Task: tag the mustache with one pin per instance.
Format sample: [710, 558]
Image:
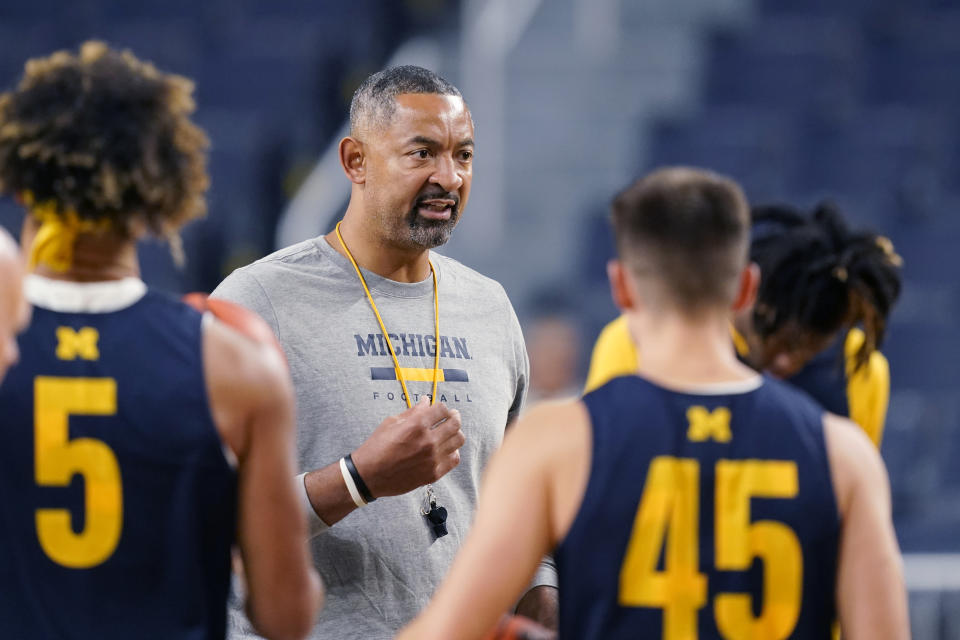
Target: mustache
[438, 195]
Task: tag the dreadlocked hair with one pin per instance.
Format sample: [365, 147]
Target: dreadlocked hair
[821, 276]
[105, 137]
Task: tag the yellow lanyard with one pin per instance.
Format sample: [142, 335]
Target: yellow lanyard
[386, 336]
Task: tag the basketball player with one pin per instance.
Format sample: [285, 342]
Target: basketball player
[14, 310]
[698, 499]
[141, 438]
[825, 294]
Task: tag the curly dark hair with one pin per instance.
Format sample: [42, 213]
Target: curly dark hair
[822, 276]
[106, 136]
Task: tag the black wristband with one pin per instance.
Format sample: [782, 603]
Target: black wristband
[357, 480]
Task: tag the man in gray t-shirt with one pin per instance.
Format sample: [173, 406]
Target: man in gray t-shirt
[409, 159]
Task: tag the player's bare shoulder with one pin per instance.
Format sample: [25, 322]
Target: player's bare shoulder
[244, 366]
[855, 464]
[554, 426]
[557, 436]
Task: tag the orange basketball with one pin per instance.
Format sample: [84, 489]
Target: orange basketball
[520, 628]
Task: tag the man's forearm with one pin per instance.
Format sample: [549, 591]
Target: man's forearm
[328, 494]
[404, 452]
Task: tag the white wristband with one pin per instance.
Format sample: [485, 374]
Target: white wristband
[315, 524]
[351, 486]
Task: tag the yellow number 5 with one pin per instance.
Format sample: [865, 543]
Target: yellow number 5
[738, 541]
[58, 458]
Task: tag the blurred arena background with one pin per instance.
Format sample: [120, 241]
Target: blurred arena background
[856, 100]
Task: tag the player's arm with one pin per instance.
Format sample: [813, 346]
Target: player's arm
[541, 601]
[871, 598]
[252, 402]
[531, 491]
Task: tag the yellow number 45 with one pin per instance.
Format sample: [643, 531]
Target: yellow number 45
[669, 513]
[57, 458]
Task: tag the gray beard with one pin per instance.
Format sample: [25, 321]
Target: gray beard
[428, 234]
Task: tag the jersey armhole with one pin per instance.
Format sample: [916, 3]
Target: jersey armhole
[229, 455]
[591, 489]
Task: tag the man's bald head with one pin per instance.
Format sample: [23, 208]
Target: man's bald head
[14, 310]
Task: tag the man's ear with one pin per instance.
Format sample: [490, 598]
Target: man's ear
[620, 287]
[747, 289]
[353, 160]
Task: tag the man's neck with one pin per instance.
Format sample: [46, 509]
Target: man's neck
[97, 259]
[680, 351]
[380, 257]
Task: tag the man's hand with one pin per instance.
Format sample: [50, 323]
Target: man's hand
[520, 628]
[541, 604]
[409, 450]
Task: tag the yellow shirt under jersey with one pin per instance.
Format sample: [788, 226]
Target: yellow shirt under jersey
[868, 388]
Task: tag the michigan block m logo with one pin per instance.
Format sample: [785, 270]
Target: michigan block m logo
[706, 425]
[73, 344]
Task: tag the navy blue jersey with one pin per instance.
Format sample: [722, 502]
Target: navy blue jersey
[117, 504]
[704, 516]
[825, 378]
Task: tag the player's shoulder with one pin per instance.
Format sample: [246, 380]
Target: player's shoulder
[245, 370]
[553, 423]
[548, 410]
[551, 431]
[847, 436]
[242, 351]
[855, 462]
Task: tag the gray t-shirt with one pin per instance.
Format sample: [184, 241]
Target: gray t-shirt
[381, 563]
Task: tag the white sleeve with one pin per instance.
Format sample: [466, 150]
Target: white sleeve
[315, 524]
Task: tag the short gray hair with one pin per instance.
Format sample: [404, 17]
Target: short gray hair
[374, 101]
